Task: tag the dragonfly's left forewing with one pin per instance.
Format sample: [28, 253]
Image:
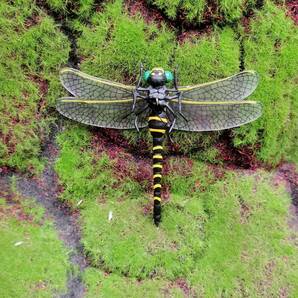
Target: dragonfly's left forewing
[80, 84]
[236, 87]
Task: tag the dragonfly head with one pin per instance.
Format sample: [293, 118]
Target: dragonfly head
[157, 77]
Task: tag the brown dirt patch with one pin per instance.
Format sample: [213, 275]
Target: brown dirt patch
[149, 14]
[237, 158]
[293, 10]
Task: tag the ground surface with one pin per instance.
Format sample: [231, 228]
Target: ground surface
[230, 204]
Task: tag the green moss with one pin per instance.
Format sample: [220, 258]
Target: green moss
[87, 177]
[221, 236]
[223, 11]
[30, 62]
[33, 260]
[271, 49]
[246, 237]
[115, 44]
[103, 285]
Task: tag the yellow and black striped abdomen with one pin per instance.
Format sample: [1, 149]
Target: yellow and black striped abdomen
[158, 124]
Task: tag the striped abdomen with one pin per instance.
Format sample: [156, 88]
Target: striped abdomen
[157, 127]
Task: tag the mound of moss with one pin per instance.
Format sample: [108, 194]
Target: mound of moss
[198, 11]
[225, 236]
[32, 51]
[270, 48]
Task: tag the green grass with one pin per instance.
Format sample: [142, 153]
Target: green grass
[28, 81]
[34, 262]
[225, 236]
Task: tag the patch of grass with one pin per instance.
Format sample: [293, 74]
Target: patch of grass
[34, 263]
[271, 49]
[87, 175]
[28, 80]
[209, 58]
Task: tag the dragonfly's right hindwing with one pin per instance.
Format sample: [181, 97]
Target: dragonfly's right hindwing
[102, 113]
[211, 116]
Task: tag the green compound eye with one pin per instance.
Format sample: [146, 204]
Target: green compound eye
[169, 76]
[146, 75]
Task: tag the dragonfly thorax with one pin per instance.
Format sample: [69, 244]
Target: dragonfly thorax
[157, 93]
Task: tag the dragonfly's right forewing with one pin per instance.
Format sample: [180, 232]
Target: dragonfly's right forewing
[83, 85]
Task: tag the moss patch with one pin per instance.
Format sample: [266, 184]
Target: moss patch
[221, 236]
[28, 80]
[34, 263]
[271, 49]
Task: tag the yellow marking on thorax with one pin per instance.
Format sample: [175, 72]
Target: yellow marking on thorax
[156, 176]
[159, 156]
[157, 198]
[156, 186]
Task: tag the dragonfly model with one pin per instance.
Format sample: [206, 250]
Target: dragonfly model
[151, 103]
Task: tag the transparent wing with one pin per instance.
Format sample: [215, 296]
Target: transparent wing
[80, 84]
[209, 116]
[102, 113]
[236, 87]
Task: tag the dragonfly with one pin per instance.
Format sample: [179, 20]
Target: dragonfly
[157, 102]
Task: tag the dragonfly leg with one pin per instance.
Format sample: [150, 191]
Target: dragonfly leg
[176, 78]
[172, 126]
[136, 124]
[135, 95]
[140, 78]
[136, 118]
